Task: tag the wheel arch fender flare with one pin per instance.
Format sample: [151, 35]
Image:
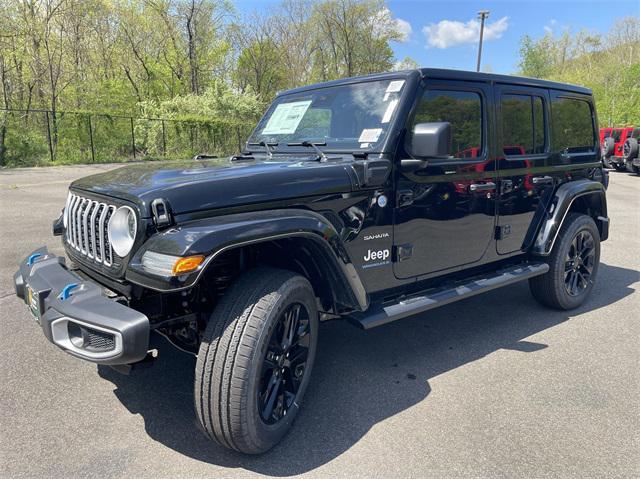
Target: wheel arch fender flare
[584, 196]
[214, 236]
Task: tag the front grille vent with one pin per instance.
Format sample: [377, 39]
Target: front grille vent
[87, 223]
[98, 341]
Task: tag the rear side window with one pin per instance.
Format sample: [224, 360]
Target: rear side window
[523, 131]
[463, 110]
[572, 126]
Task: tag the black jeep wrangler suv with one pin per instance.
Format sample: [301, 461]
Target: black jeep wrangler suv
[366, 199]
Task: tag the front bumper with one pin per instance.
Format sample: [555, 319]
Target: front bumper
[75, 314]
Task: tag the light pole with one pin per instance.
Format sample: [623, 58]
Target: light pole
[482, 14]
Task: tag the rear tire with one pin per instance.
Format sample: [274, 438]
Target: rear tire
[242, 371]
[630, 149]
[573, 265]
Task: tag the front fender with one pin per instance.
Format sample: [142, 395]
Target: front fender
[213, 236]
[564, 198]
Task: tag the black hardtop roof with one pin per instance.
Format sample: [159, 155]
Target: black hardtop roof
[446, 74]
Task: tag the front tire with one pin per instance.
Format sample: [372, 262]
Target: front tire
[255, 360]
[573, 265]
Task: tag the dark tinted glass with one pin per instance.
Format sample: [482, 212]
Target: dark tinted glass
[573, 130]
[522, 125]
[460, 108]
[538, 124]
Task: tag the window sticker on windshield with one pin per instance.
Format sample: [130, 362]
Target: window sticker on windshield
[286, 118]
[369, 135]
[395, 86]
[389, 111]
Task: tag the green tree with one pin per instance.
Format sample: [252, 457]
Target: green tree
[608, 64]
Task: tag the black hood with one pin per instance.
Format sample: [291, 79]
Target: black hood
[202, 185]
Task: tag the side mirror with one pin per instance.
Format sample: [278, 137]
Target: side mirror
[431, 140]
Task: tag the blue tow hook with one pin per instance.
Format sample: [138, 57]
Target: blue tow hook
[66, 291]
[31, 259]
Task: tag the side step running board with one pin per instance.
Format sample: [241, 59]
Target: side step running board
[388, 312]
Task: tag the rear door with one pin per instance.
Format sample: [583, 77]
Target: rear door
[444, 216]
[523, 161]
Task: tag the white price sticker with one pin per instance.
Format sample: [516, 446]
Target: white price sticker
[395, 86]
[286, 117]
[369, 135]
[389, 111]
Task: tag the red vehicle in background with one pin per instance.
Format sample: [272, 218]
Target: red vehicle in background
[612, 146]
[631, 152]
[604, 134]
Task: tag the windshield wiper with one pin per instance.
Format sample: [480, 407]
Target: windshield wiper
[314, 145]
[242, 157]
[266, 144]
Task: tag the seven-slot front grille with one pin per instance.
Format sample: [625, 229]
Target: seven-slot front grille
[87, 223]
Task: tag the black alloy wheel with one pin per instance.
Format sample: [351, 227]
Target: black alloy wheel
[579, 264]
[256, 358]
[573, 264]
[284, 364]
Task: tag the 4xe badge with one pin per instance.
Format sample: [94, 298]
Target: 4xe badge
[380, 257]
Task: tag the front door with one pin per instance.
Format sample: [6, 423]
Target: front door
[444, 216]
[524, 169]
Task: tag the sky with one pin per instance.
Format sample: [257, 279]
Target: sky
[441, 34]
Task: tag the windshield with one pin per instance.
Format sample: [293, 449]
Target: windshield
[344, 117]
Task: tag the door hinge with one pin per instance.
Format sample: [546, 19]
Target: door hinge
[403, 252]
[503, 231]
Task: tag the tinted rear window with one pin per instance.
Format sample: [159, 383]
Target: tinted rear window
[573, 129]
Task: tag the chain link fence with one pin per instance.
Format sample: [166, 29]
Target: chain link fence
[40, 137]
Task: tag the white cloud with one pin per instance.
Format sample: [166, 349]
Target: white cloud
[449, 33]
[385, 24]
[403, 28]
[551, 25]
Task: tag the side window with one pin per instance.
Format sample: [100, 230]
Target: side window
[463, 110]
[572, 126]
[523, 131]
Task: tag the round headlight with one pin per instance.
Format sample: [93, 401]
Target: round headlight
[122, 230]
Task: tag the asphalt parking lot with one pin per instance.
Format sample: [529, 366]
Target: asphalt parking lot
[493, 386]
